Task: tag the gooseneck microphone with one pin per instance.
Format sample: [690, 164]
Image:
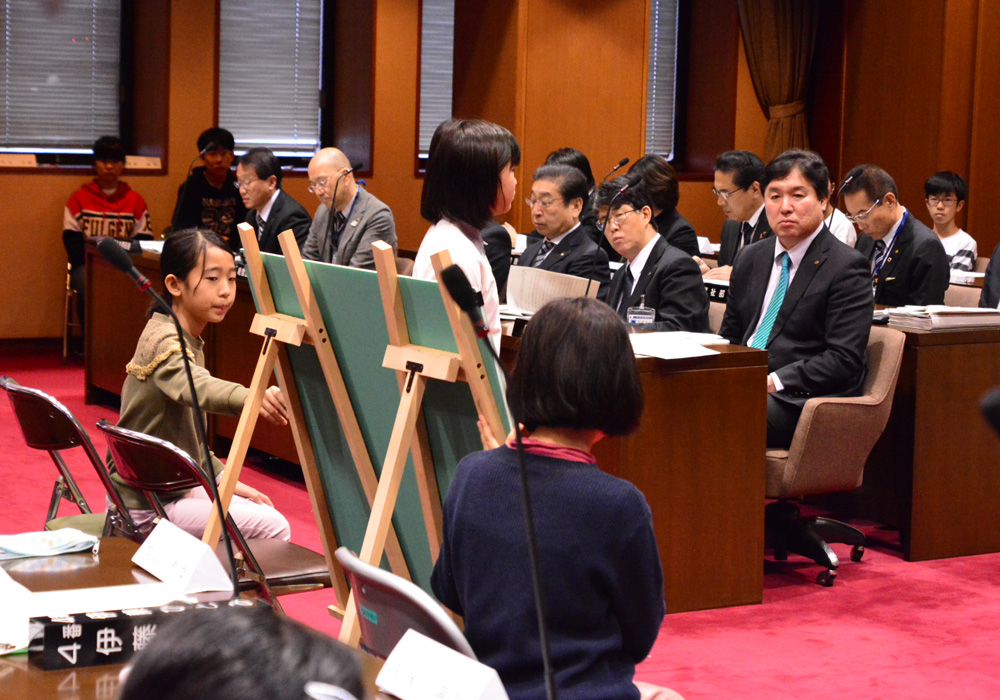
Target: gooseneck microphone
[461, 291]
[116, 255]
[622, 163]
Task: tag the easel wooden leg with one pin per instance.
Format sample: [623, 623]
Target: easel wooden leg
[241, 439]
[403, 433]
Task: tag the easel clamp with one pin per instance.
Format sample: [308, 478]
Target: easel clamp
[287, 329]
[437, 364]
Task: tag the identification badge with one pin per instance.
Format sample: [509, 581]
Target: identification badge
[641, 314]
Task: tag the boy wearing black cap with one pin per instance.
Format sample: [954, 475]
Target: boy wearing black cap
[208, 199]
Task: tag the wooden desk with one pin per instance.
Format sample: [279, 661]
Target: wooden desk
[707, 498]
[112, 567]
[116, 313]
[935, 472]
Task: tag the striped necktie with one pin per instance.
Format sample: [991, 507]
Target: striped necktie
[877, 262]
[260, 226]
[542, 252]
[763, 333]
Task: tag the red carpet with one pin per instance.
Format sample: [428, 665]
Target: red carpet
[887, 629]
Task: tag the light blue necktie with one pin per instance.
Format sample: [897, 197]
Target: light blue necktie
[763, 333]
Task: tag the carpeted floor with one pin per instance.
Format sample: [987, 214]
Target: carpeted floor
[887, 629]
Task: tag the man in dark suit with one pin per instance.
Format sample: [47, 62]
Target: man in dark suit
[803, 296]
[655, 275]
[346, 237]
[908, 264]
[557, 196]
[990, 296]
[739, 177]
[269, 210]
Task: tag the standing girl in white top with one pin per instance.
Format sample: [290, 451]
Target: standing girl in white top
[470, 179]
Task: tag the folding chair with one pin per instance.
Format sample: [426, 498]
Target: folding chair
[156, 466]
[389, 605]
[48, 425]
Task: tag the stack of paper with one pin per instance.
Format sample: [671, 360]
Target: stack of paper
[672, 345]
[965, 277]
[926, 318]
[531, 288]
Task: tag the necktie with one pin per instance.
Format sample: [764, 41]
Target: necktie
[747, 230]
[542, 252]
[260, 226]
[763, 333]
[339, 221]
[626, 292]
[877, 262]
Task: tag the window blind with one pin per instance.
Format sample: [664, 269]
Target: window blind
[437, 60]
[269, 73]
[59, 90]
[661, 89]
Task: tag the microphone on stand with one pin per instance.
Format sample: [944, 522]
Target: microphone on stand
[116, 255]
[461, 291]
[622, 163]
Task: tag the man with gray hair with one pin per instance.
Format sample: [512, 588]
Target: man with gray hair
[345, 236]
[557, 197]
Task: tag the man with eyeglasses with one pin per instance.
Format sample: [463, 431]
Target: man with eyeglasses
[358, 220]
[739, 193]
[908, 262]
[269, 210]
[656, 276]
[557, 196]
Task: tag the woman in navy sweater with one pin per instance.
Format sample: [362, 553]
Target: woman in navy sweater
[575, 382]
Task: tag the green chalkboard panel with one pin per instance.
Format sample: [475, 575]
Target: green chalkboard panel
[349, 301]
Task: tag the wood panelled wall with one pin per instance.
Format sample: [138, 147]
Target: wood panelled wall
[914, 87]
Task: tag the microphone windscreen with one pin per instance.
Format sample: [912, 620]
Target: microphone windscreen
[111, 251]
[623, 161]
[990, 406]
[632, 179]
[458, 286]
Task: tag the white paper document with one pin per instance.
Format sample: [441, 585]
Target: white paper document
[530, 288]
[172, 555]
[672, 345]
[421, 669]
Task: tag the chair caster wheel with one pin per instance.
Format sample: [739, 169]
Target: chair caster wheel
[857, 551]
[825, 578]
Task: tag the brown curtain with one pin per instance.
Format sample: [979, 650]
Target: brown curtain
[779, 36]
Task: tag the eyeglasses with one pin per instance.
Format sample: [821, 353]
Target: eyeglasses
[864, 215]
[724, 195]
[245, 185]
[618, 219]
[947, 201]
[543, 203]
[318, 184]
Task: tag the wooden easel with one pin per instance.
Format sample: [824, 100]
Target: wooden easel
[279, 330]
[414, 365]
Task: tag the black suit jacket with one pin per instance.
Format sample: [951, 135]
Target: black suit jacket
[917, 269]
[672, 283]
[818, 341]
[991, 284]
[496, 243]
[731, 234]
[285, 214]
[576, 255]
[677, 231]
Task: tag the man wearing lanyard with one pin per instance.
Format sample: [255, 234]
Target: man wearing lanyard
[358, 219]
[802, 296]
[908, 263]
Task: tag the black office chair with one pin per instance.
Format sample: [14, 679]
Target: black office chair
[388, 605]
[48, 425]
[153, 466]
